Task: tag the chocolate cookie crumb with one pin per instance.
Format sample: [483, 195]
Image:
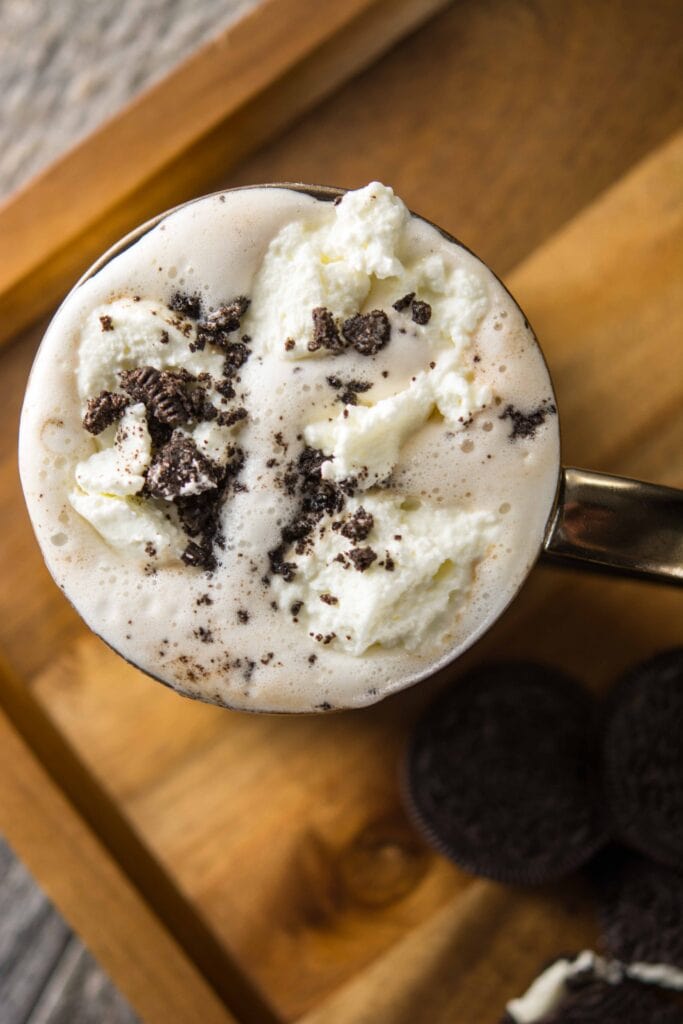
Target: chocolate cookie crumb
[329, 599]
[107, 407]
[236, 356]
[362, 558]
[203, 599]
[367, 332]
[204, 634]
[403, 303]
[359, 525]
[525, 425]
[421, 312]
[200, 556]
[225, 388]
[351, 389]
[325, 332]
[290, 344]
[242, 616]
[312, 658]
[150, 550]
[187, 305]
[107, 323]
[164, 338]
[217, 326]
[165, 393]
[228, 419]
[389, 563]
[278, 565]
[180, 465]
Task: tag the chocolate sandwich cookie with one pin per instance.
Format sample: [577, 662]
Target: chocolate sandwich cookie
[641, 913]
[643, 757]
[501, 774]
[595, 1001]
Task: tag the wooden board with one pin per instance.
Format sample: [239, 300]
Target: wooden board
[78, 874]
[266, 68]
[285, 838]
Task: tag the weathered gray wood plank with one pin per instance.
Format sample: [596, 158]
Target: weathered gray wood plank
[32, 939]
[79, 992]
[46, 975]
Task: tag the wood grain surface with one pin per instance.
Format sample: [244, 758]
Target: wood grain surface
[78, 874]
[287, 835]
[277, 61]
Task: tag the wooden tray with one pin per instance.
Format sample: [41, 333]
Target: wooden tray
[227, 867]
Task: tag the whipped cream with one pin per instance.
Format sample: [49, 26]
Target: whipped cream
[423, 566]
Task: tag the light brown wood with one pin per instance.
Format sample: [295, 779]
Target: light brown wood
[464, 963]
[79, 876]
[498, 120]
[276, 62]
[287, 837]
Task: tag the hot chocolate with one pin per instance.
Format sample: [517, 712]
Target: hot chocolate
[289, 454]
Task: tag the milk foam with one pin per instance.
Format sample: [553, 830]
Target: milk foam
[228, 637]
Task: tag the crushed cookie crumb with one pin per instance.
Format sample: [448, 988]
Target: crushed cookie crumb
[404, 302]
[107, 323]
[166, 394]
[189, 305]
[358, 526]
[362, 558]
[525, 425]
[367, 332]
[325, 332]
[329, 599]
[242, 616]
[180, 466]
[421, 312]
[103, 410]
[229, 419]
[349, 390]
[200, 556]
[216, 327]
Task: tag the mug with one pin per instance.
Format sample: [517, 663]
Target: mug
[596, 521]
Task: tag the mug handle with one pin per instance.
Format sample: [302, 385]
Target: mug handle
[616, 525]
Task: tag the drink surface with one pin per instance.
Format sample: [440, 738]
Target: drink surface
[285, 454]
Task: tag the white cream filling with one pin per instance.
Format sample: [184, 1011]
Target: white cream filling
[548, 990]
